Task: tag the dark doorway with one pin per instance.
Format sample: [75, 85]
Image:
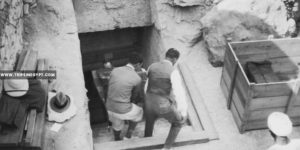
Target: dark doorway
[96, 106]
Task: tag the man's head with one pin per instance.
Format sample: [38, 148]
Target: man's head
[107, 64]
[136, 60]
[279, 124]
[172, 55]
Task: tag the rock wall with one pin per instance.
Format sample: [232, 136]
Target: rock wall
[11, 29]
[52, 31]
[101, 15]
[241, 20]
[178, 23]
[152, 46]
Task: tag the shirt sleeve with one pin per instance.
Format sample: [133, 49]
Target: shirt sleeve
[146, 83]
[180, 93]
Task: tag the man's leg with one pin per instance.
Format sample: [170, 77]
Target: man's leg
[150, 116]
[177, 121]
[117, 135]
[150, 120]
[131, 128]
[117, 125]
[174, 130]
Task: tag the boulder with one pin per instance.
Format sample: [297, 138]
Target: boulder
[242, 20]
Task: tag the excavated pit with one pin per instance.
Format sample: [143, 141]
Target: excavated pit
[116, 45]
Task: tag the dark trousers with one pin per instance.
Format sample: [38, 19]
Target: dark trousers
[160, 107]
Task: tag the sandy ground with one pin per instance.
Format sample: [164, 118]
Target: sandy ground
[208, 81]
[52, 31]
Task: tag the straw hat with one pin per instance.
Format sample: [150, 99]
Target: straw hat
[16, 87]
[60, 107]
[280, 124]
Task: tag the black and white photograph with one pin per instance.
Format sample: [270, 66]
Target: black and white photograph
[149, 74]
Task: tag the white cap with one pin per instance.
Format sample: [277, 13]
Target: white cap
[16, 87]
[280, 124]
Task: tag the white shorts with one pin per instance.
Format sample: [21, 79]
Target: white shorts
[117, 120]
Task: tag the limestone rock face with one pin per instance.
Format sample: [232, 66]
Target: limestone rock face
[180, 23]
[242, 20]
[101, 15]
[11, 29]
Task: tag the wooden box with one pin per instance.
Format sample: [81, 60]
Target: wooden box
[250, 102]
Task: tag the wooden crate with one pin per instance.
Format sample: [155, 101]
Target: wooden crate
[251, 103]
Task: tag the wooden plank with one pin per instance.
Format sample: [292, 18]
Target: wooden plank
[192, 114]
[38, 134]
[272, 90]
[14, 136]
[293, 98]
[197, 101]
[43, 65]
[262, 123]
[20, 60]
[241, 91]
[153, 142]
[297, 102]
[285, 64]
[268, 102]
[232, 86]
[254, 73]
[30, 127]
[29, 61]
[296, 121]
[284, 67]
[236, 116]
[256, 124]
[274, 48]
[194, 118]
[263, 114]
[242, 85]
[224, 88]
[295, 112]
[236, 98]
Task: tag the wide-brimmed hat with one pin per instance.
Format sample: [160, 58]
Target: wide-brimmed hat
[16, 87]
[60, 107]
[280, 124]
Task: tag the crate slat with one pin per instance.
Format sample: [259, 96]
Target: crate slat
[268, 102]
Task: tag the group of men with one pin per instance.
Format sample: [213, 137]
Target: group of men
[125, 88]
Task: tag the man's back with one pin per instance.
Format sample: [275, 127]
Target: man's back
[159, 75]
[122, 81]
[293, 145]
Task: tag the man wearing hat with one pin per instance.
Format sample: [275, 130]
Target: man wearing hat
[18, 96]
[281, 127]
[124, 86]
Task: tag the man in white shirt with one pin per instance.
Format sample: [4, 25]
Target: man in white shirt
[281, 127]
[161, 100]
